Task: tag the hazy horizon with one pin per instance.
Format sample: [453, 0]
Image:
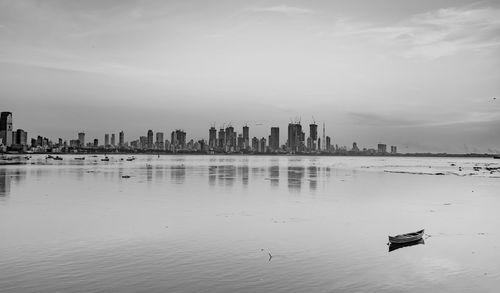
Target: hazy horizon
[419, 75]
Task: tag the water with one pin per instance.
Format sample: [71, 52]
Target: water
[248, 224]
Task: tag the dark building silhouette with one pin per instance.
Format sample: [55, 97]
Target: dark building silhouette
[313, 134]
[274, 139]
[150, 139]
[222, 138]
[106, 140]
[394, 149]
[262, 145]
[212, 137]
[295, 137]
[121, 139]
[178, 139]
[246, 136]
[159, 141]
[6, 128]
[81, 139]
[381, 148]
[255, 144]
[328, 144]
[96, 143]
[113, 141]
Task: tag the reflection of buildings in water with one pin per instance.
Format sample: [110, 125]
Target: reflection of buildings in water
[226, 174]
[178, 174]
[212, 175]
[274, 176]
[313, 177]
[243, 173]
[295, 176]
[4, 184]
[9, 177]
[149, 173]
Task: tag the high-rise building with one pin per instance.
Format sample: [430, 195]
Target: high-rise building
[96, 142]
[106, 140]
[150, 139]
[21, 138]
[143, 142]
[274, 139]
[159, 141]
[81, 139]
[295, 137]
[246, 136]
[382, 148]
[328, 144]
[113, 142]
[6, 128]
[230, 137]
[313, 134]
[262, 145]
[212, 137]
[121, 139]
[394, 149]
[355, 148]
[178, 139]
[255, 144]
[222, 138]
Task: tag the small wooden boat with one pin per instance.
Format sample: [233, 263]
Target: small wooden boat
[57, 158]
[406, 238]
[130, 159]
[80, 158]
[106, 159]
[394, 246]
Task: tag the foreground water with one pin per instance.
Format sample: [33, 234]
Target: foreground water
[248, 224]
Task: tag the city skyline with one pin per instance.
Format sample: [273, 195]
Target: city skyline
[423, 76]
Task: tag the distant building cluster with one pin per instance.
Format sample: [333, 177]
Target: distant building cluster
[224, 140]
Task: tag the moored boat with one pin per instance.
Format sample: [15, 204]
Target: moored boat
[406, 238]
[80, 158]
[496, 157]
[106, 159]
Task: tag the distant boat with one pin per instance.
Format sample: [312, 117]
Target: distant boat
[130, 159]
[496, 157]
[58, 158]
[106, 159]
[407, 238]
[80, 158]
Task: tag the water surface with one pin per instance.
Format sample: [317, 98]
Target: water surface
[248, 224]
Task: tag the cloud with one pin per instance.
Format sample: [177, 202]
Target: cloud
[433, 34]
[284, 9]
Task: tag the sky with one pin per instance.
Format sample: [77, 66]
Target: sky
[421, 75]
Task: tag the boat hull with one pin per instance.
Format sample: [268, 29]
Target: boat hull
[407, 238]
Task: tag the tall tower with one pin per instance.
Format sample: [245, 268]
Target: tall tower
[150, 139]
[212, 137]
[246, 136]
[113, 142]
[106, 140]
[81, 138]
[274, 139]
[323, 140]
[121, 139]
[6, 128]
[313, 134]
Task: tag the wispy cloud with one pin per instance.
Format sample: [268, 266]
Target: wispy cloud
[283, 9]
[433, 34]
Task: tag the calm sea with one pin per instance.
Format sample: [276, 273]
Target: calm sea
[249, 224]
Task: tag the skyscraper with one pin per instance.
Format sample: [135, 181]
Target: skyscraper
[313, 134]
[159, 141]
[274, 139]
[222, 138]
[246, 136]
[382, 148]
[295, 137]
[106, 140]
[150, 139]
[212, 137]
[113, 139]
[81, 138]
[6, 128]
[121, 139]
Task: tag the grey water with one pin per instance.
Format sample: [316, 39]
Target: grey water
[248, 224]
